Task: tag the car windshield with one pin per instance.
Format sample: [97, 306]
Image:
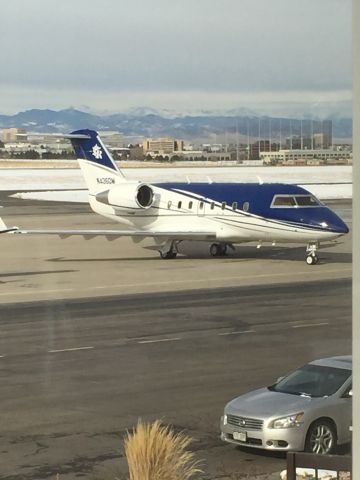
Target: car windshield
[313, 381]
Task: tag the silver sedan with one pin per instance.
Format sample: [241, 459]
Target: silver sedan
[309, 409]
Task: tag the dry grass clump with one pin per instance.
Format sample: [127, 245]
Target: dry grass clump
[156, 452]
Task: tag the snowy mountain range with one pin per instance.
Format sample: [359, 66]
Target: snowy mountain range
[147, 122]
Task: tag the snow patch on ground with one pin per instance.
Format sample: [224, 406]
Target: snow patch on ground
[325, 182]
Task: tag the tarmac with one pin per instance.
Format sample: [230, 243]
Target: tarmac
[95, 334]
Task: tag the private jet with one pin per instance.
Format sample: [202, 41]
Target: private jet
[222, 214]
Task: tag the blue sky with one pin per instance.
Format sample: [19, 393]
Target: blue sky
[271, 56]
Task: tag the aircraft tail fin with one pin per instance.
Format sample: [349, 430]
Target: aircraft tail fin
[96, 162]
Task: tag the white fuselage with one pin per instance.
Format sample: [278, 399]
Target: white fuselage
[174, 211]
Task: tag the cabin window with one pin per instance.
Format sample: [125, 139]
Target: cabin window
[190, 205]
[234, 206]
[223, 205]
[179, 204]
[246, 206]
[212, 206]
[169, 204]
[201, 205]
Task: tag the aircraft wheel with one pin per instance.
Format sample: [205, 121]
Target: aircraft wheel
[218, 249]
[312, 259]
[214, 250]
[222, 249]
[168, 255]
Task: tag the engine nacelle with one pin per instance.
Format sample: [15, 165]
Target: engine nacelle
[128, 196]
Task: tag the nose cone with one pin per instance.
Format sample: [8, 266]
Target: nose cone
[333, 223]
[341, 227]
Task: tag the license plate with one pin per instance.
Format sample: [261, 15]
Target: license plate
[240, 436]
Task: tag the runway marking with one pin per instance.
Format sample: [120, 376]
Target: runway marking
[70, 349]
[2, 356]
[304, 325]
[236, 333]
[161, 340]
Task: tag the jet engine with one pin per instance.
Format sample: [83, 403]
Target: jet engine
[128, 196]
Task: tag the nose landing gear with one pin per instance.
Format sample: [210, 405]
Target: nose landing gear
[311, 257]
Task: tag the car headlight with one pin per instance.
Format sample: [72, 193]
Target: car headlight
[225, 419]
[287, 422]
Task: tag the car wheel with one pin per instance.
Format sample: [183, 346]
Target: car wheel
[321, 438]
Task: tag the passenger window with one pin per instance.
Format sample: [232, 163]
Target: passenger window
[212, 205]
[169, 204]
[190, 205]
[201, 205]
[234, 206]
[284, 201]
[179, 205]
[223, 205]
[246, 206]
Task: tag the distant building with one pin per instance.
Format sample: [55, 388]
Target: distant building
[297, 142]
[217, 156]
[14, 135]
[261, 146]
[321, 140]
[162, 146]
[195, 155]
[306, 157]
[309, 134]
[213, 147]
[47, 143]
[18, 147]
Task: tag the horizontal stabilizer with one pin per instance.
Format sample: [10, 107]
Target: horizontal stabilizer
[5, 229]
[69, 136]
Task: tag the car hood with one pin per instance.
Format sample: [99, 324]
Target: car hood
[264, 403]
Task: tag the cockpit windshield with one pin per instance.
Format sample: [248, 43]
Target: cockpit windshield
[294, 201]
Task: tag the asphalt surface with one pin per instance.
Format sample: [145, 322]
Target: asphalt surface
[79, 370]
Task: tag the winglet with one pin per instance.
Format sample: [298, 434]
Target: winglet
[5, 229]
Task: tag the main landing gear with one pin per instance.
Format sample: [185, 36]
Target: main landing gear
[311, 257]
[169, 250]
[219, 249]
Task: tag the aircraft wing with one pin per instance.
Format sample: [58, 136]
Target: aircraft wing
[178, 235]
